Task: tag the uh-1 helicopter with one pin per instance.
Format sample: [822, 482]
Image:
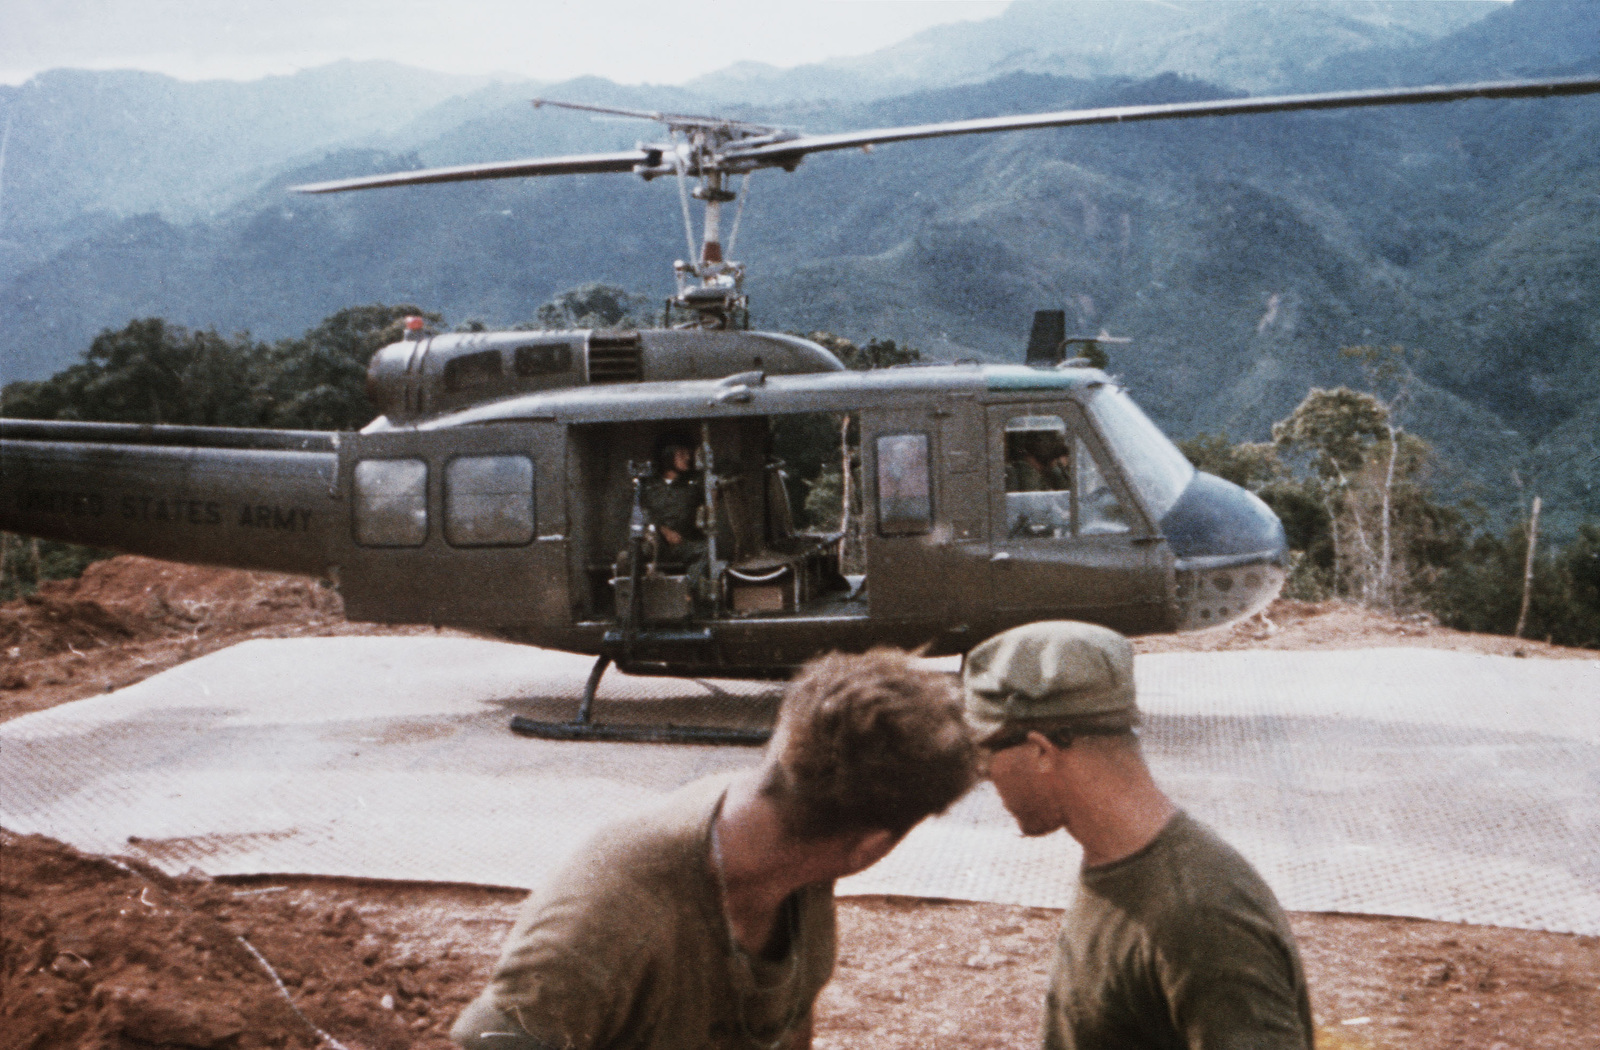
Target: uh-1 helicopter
[505, 486]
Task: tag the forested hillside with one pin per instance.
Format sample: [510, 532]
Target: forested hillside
[1263, 46]
[1239, 256]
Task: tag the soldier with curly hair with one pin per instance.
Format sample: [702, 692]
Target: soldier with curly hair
[708, 922]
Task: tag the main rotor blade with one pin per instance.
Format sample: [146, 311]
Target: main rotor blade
[642, 114]
[790, 152]
[584, 164]
[670, 119]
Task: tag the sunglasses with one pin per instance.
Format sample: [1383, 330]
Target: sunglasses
[1059, 737]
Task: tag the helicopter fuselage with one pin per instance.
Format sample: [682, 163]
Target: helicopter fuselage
[495, 495]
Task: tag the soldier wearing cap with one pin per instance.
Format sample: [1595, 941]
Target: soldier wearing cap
[1173, 939]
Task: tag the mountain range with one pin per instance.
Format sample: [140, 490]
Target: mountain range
[1238, 255]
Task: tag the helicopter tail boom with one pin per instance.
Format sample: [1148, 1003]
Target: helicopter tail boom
[240, 498]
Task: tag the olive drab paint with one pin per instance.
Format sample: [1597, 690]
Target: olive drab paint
[508, 517]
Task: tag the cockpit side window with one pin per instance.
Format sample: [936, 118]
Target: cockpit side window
[1037, 455]
[1038, 478]
[1054, 487]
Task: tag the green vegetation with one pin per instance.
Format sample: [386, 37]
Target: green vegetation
[809, 444]
[1482, 590]
[597, 305]
[1362, 523]
[26, 562]
[154, 372]
[877, 353]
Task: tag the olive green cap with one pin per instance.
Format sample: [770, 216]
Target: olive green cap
[1056, 674]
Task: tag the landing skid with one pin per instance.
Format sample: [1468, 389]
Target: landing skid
[584, 728]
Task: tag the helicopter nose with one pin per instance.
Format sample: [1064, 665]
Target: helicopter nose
[1232, 556]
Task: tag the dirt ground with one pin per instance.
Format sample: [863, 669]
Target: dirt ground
[128, 618]
[104, 953]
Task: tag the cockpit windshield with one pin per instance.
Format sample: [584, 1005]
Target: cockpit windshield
[1154, 467]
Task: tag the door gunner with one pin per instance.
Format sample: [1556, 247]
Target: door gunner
[672, 499]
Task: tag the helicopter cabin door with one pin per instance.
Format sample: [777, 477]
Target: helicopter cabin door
[1069, 542]
[927, 512]
[463, 527]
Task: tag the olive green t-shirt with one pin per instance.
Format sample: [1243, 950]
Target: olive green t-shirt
[1180, 945]
[627, 946]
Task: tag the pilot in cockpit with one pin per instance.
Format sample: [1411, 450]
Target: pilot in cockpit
[1037, 461]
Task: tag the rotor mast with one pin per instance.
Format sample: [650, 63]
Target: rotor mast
[719, 295]
[708, 283]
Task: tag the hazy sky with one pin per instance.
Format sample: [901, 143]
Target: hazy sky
[629, 41]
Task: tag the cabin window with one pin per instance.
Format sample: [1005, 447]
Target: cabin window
[471, 370]
[542, 360]
[905, 503]
[391, 502]
[1100, 513]
[1038, 478]
[488, 501]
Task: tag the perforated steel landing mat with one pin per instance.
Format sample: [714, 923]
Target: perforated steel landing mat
[1404, 782]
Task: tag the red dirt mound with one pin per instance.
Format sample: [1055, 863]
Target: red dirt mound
[137, 599]
[108, 954]
[128, 617]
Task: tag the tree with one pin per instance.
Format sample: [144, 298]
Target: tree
[1482, 591]
[1336, 428]
[596, 306]
[1350, 486]
[155, 372]
[878, 353]
[1388, 371]
[148, 372]
[1389, 537]
[1336, 434]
